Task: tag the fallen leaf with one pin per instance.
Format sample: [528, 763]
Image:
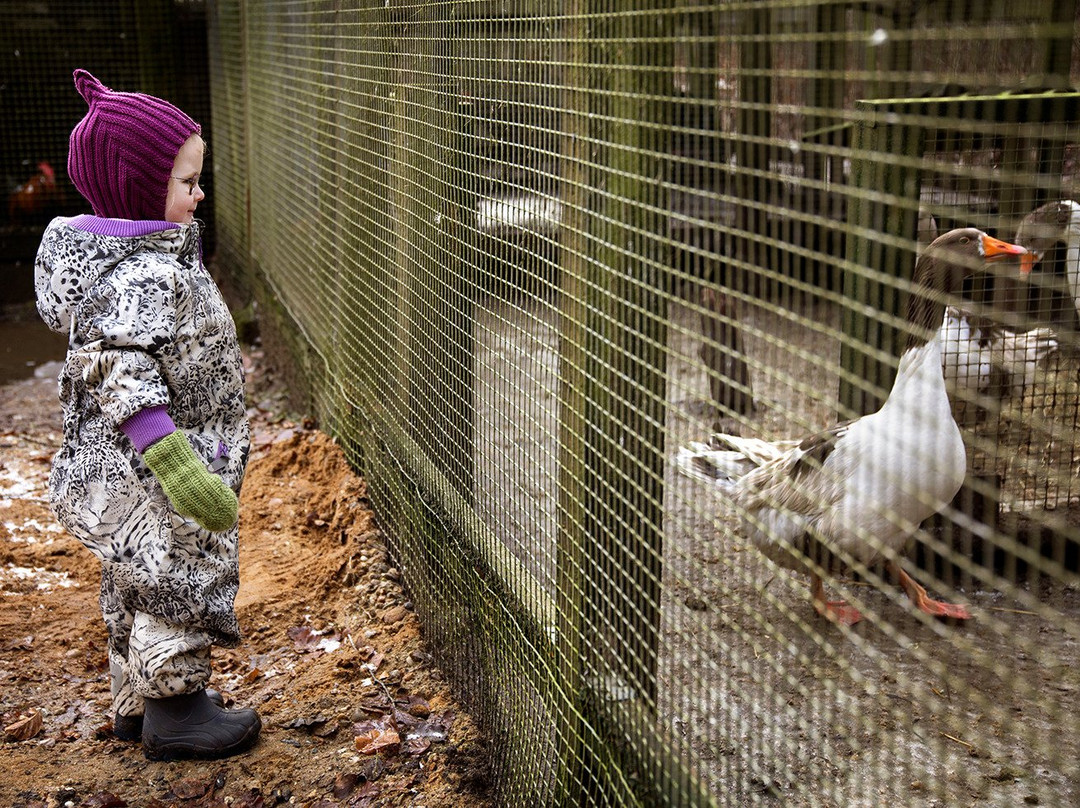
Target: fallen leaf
[251, 676]
[375, 661]
[20, 644]
[379, 735]
[309, 723]
[284, 435]
[306, 639]
[262, 438]
[375, 704]
[69, 717]
[431, 731]
[345, 784]
[369, 789]
[378, 740]
[190, 787]
[25, 727]
[418, 706]
[404, 719]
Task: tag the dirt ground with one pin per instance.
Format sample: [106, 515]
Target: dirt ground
[895, 711]
[355, 712]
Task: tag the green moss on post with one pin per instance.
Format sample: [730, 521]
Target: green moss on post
[877, 267]
[616, 258]
[576, 185]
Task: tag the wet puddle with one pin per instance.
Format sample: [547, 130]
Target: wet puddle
[26, 343]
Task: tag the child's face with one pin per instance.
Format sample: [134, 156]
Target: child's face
[184, 191]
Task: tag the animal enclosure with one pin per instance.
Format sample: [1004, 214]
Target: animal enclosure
[549, 271]
[523, 253]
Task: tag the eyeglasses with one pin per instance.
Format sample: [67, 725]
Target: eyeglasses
[191, 182]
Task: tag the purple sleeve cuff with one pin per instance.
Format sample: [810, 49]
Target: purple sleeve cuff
[147, 426]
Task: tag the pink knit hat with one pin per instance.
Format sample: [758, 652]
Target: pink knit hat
[120, 156]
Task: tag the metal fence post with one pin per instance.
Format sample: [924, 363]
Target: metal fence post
[614, 337]
[891, 211]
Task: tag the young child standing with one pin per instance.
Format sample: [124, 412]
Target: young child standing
[155, 433]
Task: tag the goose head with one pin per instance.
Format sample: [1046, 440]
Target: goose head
[941, 271]
[1045, 227]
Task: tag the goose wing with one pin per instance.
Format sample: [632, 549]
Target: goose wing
[803, 481]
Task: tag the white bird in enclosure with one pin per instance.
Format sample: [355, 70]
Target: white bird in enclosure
[980, 356]
[1043, 229]
[856, 492]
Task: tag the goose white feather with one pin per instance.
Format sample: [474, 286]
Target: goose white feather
[980, 356]
[872, 476]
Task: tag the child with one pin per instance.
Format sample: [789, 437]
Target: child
[155, 432]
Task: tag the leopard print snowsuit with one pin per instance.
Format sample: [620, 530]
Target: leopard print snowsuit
[146, 327]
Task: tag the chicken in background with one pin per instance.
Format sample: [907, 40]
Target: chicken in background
[37, 199]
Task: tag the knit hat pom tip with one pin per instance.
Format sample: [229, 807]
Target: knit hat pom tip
[88, 86]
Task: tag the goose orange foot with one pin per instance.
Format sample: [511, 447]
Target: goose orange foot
[838, 611]
[924, 603]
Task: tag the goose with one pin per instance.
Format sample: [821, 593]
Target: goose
[1043, 229]
[977, 354]
[807, 503]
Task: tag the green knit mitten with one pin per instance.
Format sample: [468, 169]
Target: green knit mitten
[193, 490]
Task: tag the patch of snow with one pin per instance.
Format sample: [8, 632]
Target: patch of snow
[46, 579]
[29, 531]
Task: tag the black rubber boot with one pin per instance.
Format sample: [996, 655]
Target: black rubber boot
[129, 727]
[192, 726]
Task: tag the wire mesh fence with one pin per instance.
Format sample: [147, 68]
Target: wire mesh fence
[585, 288]
[535, 250]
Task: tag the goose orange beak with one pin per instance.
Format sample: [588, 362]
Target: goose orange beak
[996, 248]
[1028, 262]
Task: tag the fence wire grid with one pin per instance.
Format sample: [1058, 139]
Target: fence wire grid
[526, 252]
[538, 263]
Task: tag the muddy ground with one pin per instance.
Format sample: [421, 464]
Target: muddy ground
[355, 711]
